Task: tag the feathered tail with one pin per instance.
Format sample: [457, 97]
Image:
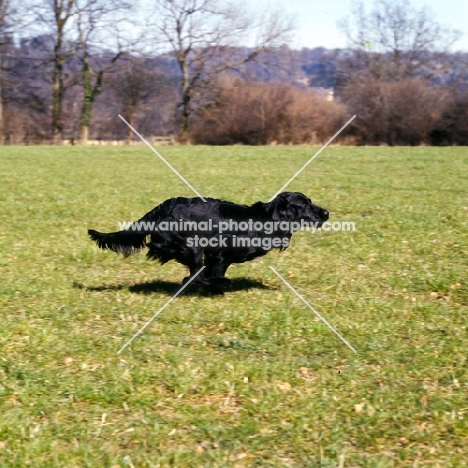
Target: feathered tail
[124, 242]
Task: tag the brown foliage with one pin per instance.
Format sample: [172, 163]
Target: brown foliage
[395, 113]
[259, 114]
[452, 129]
[22, 127]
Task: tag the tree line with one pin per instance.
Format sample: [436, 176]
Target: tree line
[213, 72]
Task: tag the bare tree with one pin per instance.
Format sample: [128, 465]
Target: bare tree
[8, 18]
[96, 21]
[386, 78]
[57, 16]
[135, 84]
[76, 25]
[394, 40]
[202, 34]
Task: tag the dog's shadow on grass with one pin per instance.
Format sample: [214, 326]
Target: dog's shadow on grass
[171, 287]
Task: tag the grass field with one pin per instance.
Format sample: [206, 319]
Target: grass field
[250, 378]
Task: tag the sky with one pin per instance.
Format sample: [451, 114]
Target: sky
[317, 20]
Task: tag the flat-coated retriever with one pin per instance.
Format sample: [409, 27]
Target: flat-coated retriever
[214, 233]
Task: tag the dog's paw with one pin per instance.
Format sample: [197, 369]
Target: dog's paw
[219, 281]
[211, 284]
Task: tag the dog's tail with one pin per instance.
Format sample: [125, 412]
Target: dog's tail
[124, 242]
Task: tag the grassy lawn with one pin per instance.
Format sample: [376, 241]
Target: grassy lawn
[250, 378]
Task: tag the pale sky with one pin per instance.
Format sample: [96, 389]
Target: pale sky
[317, 20]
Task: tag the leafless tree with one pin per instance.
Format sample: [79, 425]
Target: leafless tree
[8, 19]
[395, 40]
[202, 34]
[135, 84]
[386, 78]
[57, 17]
[96, 22]
[8, 16]
[76, 25]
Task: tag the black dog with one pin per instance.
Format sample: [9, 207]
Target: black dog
[214, 233]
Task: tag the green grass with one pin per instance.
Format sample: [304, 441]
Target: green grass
[251, 378]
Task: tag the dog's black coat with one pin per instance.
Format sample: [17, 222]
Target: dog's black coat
[173, 245]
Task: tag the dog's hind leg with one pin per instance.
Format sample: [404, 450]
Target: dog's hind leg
[216, 268]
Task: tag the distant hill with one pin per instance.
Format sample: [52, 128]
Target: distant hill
[317, 67]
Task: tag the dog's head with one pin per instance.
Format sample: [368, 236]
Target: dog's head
[295, 206]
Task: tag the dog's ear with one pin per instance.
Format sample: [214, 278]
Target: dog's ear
[259, 210]
[281, 208]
